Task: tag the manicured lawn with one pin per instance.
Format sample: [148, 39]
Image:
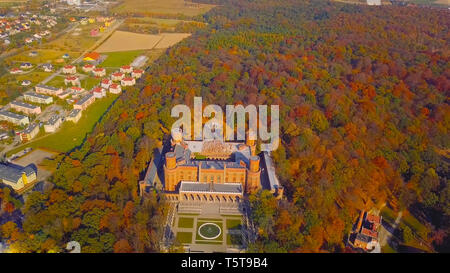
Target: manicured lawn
[185, 222]
[234, 239]
[388, 214]
[72, 134]
[233, 223]
[89, 82]
[57, 81]
[118, 59]
[184, 237]
[210, 220]
[415, 225]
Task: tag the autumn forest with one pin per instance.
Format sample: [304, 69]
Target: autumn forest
[363, 95]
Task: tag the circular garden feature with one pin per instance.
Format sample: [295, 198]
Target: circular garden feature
[209, 231]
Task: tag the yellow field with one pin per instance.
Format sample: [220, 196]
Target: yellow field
[170, 39]
[128, 41]
[163, 7]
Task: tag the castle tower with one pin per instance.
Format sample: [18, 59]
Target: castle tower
[170, 172]
[253, 175]
[250, 142]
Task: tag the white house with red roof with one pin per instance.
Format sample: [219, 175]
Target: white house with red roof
[98, 92]
[137, 73]
[117, 76]
[115, 88]
[73, 80]
[15, 70]
[106, 83]
[128, 81]
[88, 67]
[126, 69]
[99, 72]
[69, 69]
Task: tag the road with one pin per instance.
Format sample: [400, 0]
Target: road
[387, 231]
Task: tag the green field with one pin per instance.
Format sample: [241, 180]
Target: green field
[71, 135]
[57, 81]
[184, 237]
[185, 222]
[233, 223]
[118, 59]
[89, 82]
[199, 239]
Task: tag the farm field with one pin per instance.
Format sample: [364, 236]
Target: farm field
[170, 39]
[162, 7]
[118, 41]
[71, 134]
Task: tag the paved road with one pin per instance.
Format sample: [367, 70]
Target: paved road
[386, 231]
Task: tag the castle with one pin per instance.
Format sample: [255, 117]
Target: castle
[210, 171]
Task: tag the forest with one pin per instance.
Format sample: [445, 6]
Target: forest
[363, 95]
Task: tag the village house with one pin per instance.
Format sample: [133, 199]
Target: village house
[30, 132]
[115, 88]
[98, 92]
[99, 72]
[15, 70]
[26, 108]
[69, 69]
[14, 118]
[117, 76]
[48, 90]
[74, 115]
[25, 83]
[106, 83]
[126, 69]
[26, 65]
[137, 73]
[52, 124]
[37, 98]
[47, 67]
[73, 80]
[365, 235]
[88, 67]
[128, 81]
[84, 102]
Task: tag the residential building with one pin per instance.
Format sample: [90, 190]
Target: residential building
[30, 132]
[99, 72]
[69, 69]
[84, 102]
[88, 67]
[117, 76]
[128, 81]
[52, 124]
[74, 115]
[98, 92]
[17, 176]
[14, 118]
[73, 80]
[37, 98]
[26, 108]
[137, 73]
[115, 88]
[126, 69]
[106, 83]
[48, 90]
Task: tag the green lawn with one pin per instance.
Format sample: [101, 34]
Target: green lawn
[184, 237]
[233, 223]
[57, 81]
[234, 239]
[72, 134]
[388, 214]
[185, 222]
[118, 59]
[89, 82]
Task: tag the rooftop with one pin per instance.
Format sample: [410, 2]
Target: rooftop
[13, 172]
[84, 99]
[36, 95]
[53, 120]
[30, 128]
[12, 115]
[187, 186]
[23, 104]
